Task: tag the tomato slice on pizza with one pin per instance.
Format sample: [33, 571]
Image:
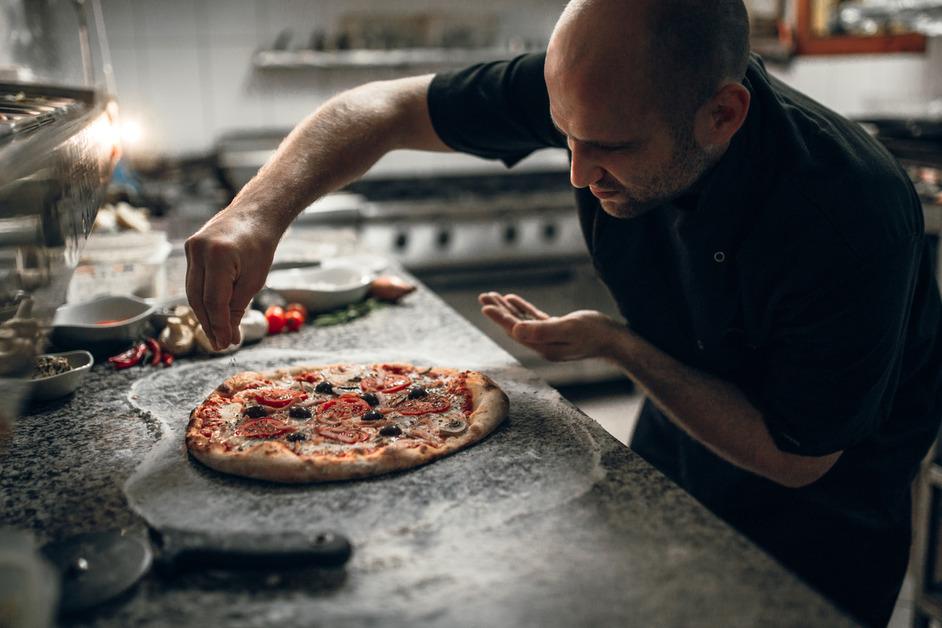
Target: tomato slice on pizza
[343, 407]
[279, 397]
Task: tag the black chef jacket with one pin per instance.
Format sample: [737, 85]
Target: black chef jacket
[799, 272]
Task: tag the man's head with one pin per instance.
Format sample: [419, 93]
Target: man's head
[648, 93]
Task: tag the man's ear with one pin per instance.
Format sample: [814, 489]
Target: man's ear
[719, 119]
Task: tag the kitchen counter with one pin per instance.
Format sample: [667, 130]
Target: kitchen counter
[549, 521]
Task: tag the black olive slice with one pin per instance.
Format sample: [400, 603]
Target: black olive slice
[324, 387]
[295, 437]
[370, 398]
[255, 412]
[417, 392]
[299, 412]
[373, 415]
[390, 430]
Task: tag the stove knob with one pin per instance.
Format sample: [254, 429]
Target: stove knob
[401, 241]
[510, 234]
[549, 231]
[443, 239]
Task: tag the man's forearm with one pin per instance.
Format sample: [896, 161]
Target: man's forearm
[714, 412]
[337, 144]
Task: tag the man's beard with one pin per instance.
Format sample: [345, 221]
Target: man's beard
[687, 164]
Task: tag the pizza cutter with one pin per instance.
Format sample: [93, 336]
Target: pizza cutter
[99, 566]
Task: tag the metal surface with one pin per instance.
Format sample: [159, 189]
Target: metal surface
[58, 146]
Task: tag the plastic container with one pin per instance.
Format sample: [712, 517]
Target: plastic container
[123, 263]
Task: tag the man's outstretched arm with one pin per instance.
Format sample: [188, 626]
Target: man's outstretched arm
[229, 258]
[711, 410]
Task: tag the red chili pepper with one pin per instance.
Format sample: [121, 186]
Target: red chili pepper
[167, 359]
[129, 358]
[155, 352]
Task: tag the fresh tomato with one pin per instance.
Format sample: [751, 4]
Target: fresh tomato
[265, 428]
[385, 382]
[343, 407]
[424, 405]
[279, 397]
[297, 307]
[275, 315]
[343, 434]
[293, 320]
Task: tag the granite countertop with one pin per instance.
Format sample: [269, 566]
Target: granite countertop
[549, 521]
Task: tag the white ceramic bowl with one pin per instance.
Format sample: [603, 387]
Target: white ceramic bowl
[61, 384]
[78, 326]
[321, 289]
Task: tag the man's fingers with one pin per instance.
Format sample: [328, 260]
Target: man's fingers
[217, 291]
[194, 286]
[500, 316]
[494, 299]
[527, 308]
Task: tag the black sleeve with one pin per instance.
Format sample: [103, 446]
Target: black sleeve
[835, 355]
[496, 110]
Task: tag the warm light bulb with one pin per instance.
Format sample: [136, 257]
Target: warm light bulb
[131, 132]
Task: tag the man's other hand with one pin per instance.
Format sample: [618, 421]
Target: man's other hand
[227, 264]
[575, 336]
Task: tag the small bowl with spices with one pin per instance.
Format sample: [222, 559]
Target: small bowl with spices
[58, 374]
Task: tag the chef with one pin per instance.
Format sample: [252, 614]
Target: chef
[769, 257]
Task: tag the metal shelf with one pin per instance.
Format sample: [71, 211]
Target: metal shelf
[401, 58]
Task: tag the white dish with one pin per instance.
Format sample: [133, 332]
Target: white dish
[61, 384]
[81, 325]
[321, 289]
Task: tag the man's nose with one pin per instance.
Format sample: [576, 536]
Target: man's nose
[583, 170]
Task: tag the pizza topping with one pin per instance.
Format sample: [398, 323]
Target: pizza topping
[373, 415]
[255, 412]
[308, 376]
[342, 434]
[388, 382]
[416, 392]
[324, 387]
[295, 437]
[264, 428]
[453, 428]
[343, 407]
[426, 435]
[299, 412]
[430, 404]
[279, 397]
[390, 430]
[370, 398]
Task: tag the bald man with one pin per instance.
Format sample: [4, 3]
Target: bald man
[769, 257]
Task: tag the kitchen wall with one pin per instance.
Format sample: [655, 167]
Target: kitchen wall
[183, 68]
[184, 74]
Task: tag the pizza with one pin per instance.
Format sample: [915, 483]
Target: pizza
[341, 421]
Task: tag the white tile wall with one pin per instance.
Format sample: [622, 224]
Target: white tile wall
[183, 67]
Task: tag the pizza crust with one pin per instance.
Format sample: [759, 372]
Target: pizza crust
[275, 461]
